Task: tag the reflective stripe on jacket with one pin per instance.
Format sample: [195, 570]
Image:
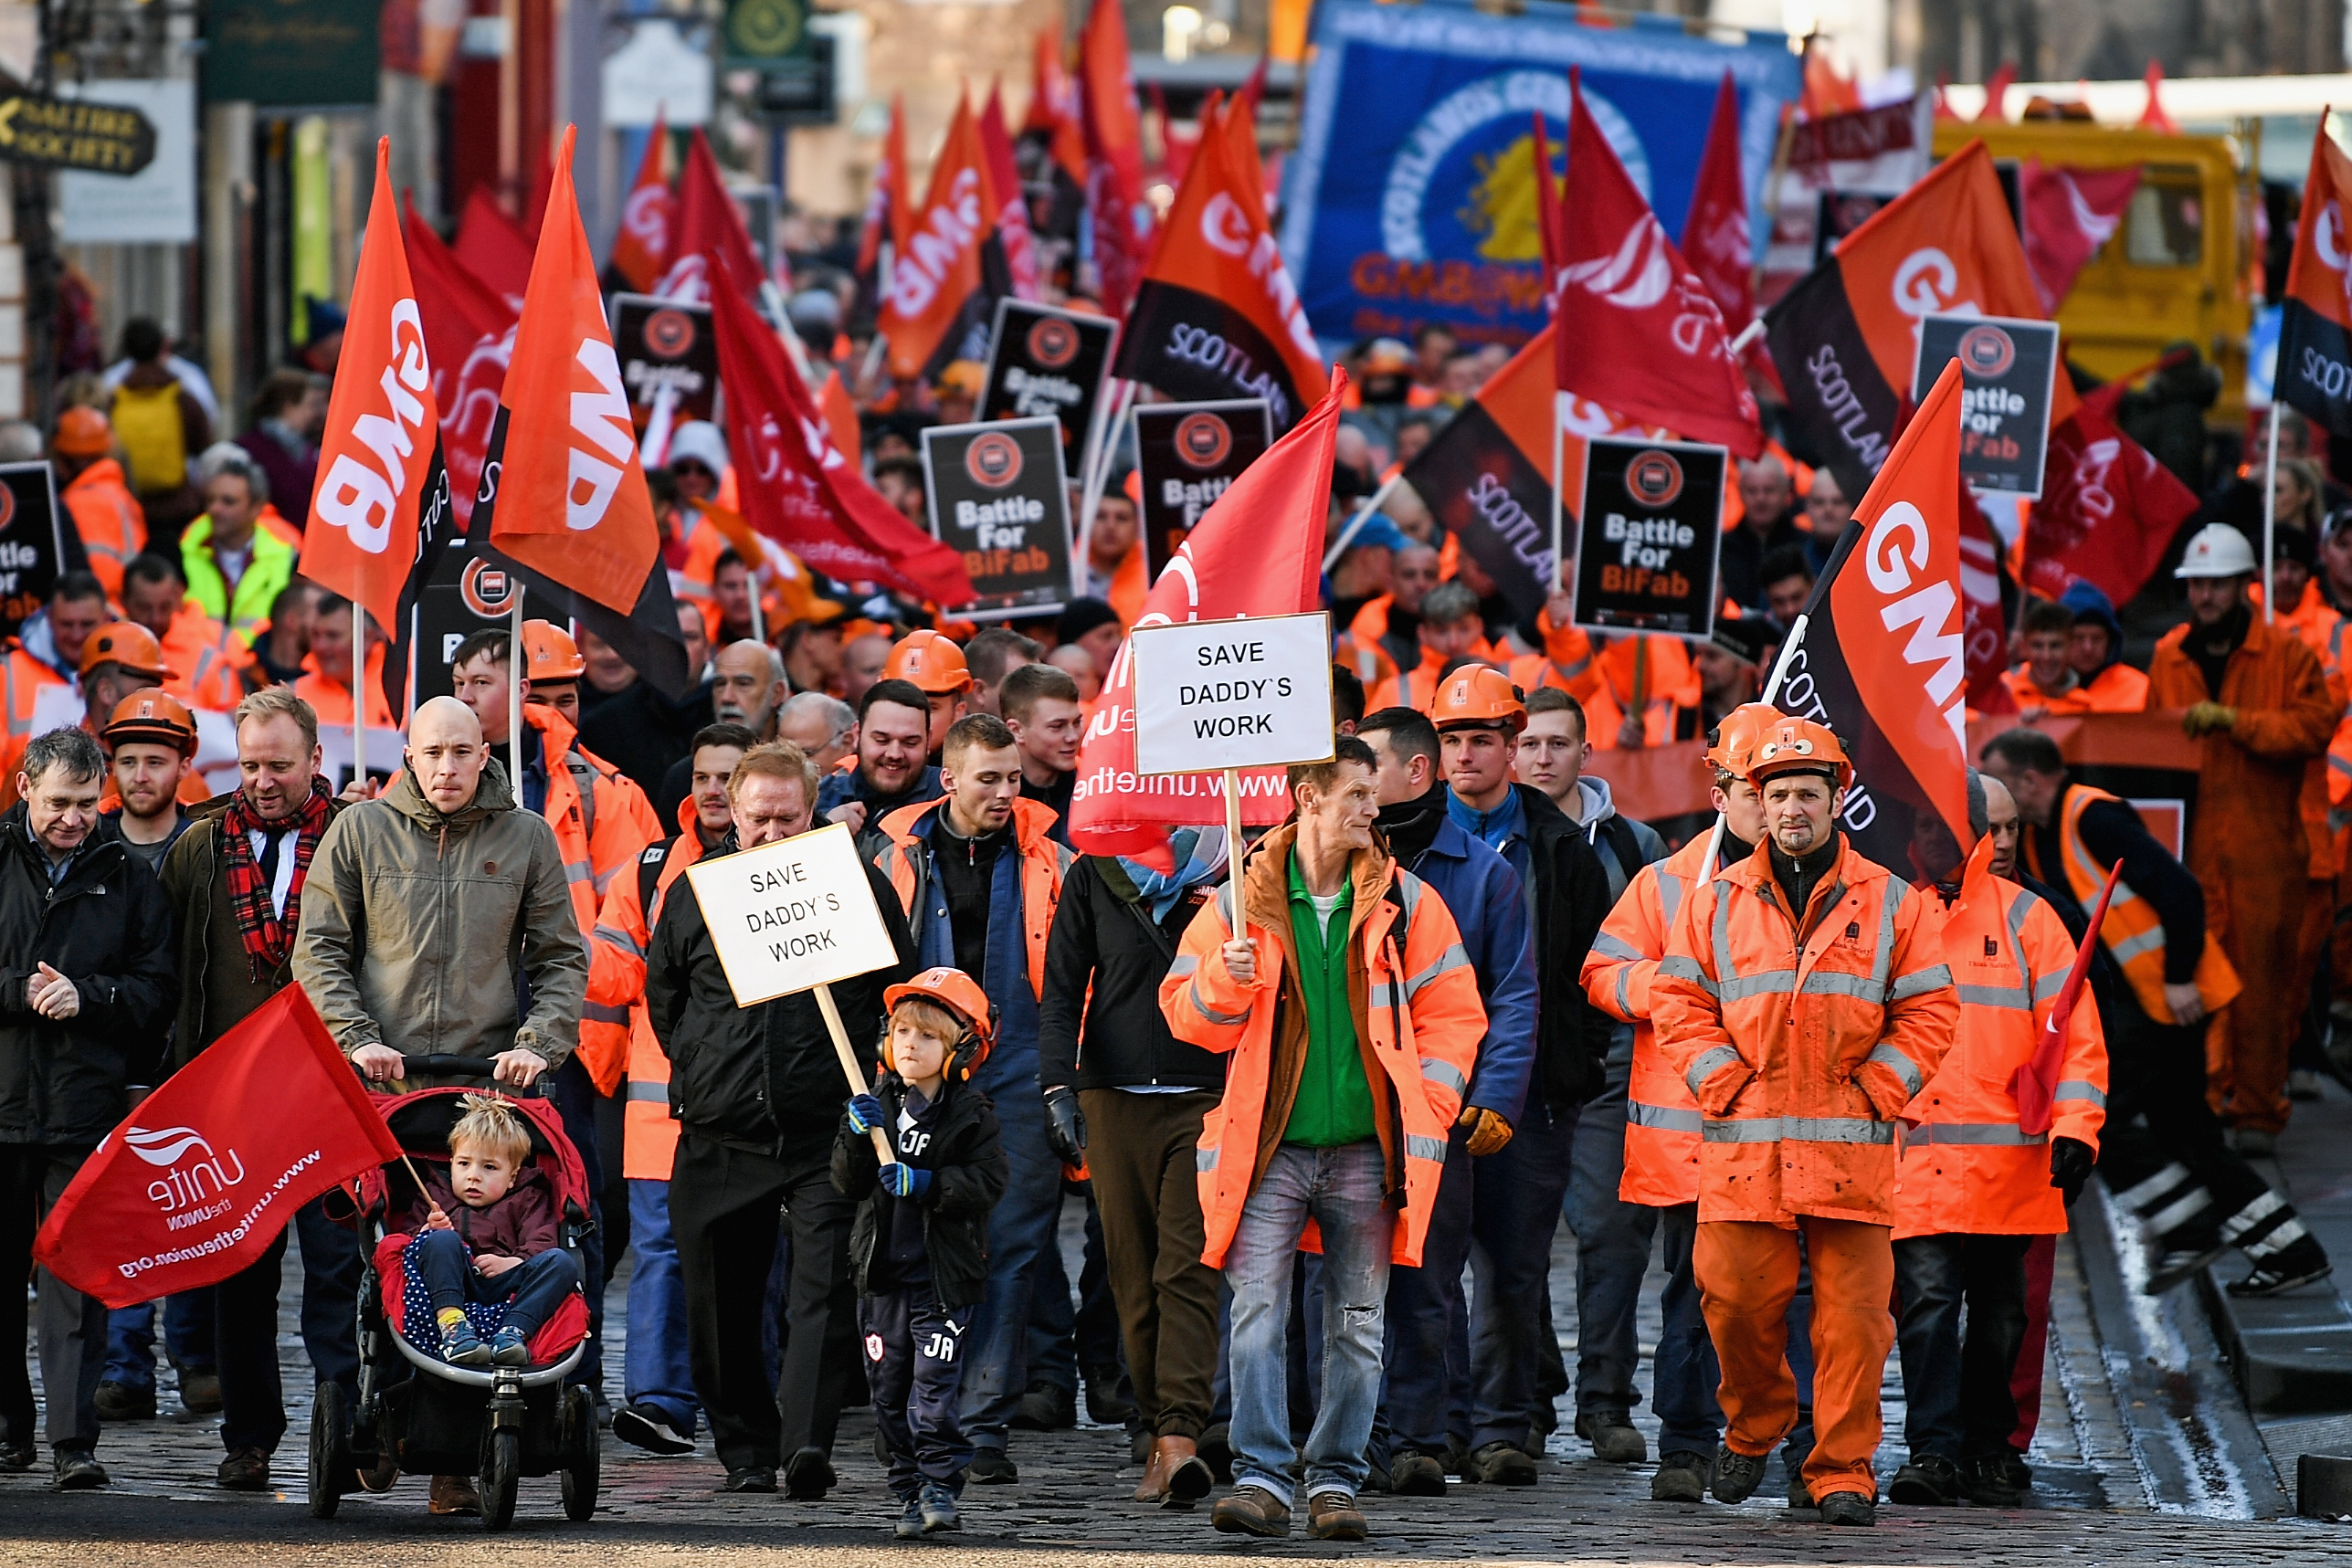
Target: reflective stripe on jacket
[1662, 1120]
[600, 834]
[1418, 1022]
[616, 982]
[1801, 1054]
[2132, 933]
[1043, 861]
[1966, 1168]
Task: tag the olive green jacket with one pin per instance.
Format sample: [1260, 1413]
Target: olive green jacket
[420, 929]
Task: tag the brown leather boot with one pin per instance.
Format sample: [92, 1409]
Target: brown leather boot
[453, 1494]
[1153, 1486]
[1188, 1475]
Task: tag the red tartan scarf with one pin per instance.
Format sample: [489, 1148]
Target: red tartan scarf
[268, 939]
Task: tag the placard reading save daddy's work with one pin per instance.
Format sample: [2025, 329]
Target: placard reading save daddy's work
[792, 915]
[1248, 693]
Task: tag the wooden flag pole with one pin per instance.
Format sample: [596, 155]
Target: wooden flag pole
[1233, 821]
[849, 1067]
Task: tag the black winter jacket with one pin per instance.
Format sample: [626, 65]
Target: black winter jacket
[1572, 1034]
[107, 929]
[968, 1171]
[764, 1079]
[1102, 936]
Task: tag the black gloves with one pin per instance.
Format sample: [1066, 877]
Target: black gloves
[1065, 1125]
[2070, 1167]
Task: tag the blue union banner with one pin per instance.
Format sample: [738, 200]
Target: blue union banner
[1412, 195]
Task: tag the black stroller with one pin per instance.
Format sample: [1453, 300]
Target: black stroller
[420, 1416]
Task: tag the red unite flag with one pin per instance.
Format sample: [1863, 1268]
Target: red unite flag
[199, 1180]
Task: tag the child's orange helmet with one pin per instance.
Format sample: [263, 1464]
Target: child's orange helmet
[961, 995]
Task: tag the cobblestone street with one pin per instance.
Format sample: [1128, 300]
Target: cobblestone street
[2143, 1456]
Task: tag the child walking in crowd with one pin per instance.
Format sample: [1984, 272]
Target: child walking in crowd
[490, 1234]
[920, 1248]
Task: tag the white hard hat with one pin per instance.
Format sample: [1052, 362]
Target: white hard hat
[2217, 551]
[699, 439]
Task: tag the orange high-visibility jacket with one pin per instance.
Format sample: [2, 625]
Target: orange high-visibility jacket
[603, 823]
[112, 522]
[1566, 661]
[1417, 688]
[22, 677]
[2022, 687]
[1418, 1024]
[1966, 1168]
[1662, 1120]
[210, 664]
[2118, 688]
[617, 980]
[1359, 647]
[1043, 861]
[2249, 783]
[2132, 934]
[1801, 1053]
[331, 699]
[1667, 681]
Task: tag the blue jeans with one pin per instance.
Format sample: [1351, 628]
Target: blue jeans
[996, 1368]
[534, 1288]
[1612, 1249]
[1341, 1190]
[187, 1338]
[1520, 1189]
[656, 1369]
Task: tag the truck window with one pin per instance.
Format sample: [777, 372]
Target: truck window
[2165, 226]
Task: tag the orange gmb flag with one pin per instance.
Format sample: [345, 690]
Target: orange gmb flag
[1217, 277]
[572, 498]
[2314, 365]
[1885, 657]
[939, 304]
[641, 249]
[382, 426]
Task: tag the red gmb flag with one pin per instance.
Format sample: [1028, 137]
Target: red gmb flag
[2069, 213]
[1257, 550]
[1639, 331]
[710, 225]
[796, 486]
[1884, 658]
[200, 1179]
[1217, 279]
[641, 249]
[1114, 135]
[944, 285]
[2315, 364]
[382, 426]
[2108, 509]
[573, 503]
[1012, 206]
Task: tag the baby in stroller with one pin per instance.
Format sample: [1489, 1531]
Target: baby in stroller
[489, 1237]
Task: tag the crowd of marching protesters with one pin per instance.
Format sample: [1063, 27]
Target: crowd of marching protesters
[1345, 1083]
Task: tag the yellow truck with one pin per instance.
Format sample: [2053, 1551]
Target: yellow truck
[2178, 266]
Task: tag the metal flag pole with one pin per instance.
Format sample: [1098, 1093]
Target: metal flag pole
[359, 693]
[1787, 650]
[2270, 514]
[516, 664]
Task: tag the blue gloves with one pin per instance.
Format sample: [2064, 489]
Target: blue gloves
[866, 1113]
[904, 1181]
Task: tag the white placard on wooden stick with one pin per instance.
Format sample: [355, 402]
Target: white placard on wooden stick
[792, 915]
[1248, 693]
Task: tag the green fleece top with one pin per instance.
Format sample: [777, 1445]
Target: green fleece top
[1334, 1101]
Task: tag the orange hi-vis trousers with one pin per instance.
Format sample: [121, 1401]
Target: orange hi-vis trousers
[1747, 1273]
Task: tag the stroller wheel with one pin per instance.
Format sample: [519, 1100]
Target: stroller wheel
[331, 1459]
[582, 1451]
[501, 1476]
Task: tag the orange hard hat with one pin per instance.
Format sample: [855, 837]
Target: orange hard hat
[151, 713]
[1793, 745]
[931, 661]
[961, 995]
[550, 654]
[128, 645]
[1479, 697]
[1737, 734]
[83, 432]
